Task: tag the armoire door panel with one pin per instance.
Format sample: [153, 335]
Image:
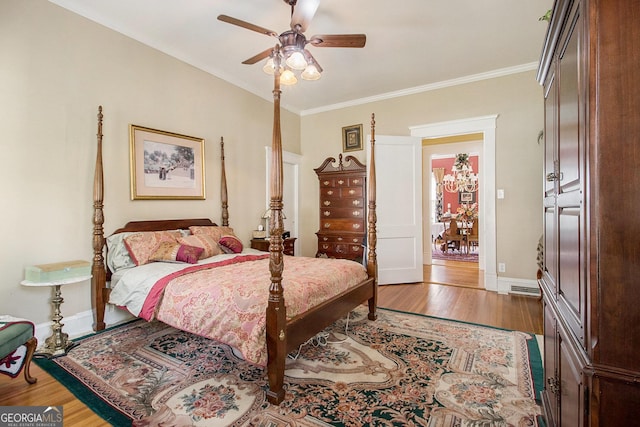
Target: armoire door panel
[550, 362]
[571, 289]
[551, 251]
[570, 385]
[569, 112]
[551, 137]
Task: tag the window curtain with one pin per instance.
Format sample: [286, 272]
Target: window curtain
[438, 174]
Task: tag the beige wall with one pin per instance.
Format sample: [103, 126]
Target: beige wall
[516, 99]
[56, 69]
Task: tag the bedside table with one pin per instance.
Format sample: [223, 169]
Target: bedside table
[263, 245]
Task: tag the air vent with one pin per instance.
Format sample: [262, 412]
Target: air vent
[515, 289]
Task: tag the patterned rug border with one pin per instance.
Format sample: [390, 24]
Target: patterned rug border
[456, 256]
[113, 416]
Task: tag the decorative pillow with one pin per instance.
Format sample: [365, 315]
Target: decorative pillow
[143, 244]
[117, 253]
[175, 252]
[214, 231]
[210, 247]
[230, 244]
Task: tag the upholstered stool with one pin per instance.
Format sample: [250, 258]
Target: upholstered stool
[17, 345]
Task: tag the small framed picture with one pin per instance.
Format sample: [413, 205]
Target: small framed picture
[165, 165]
[464, 197]
[352, 138]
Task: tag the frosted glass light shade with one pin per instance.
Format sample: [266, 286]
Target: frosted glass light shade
[288, 78]
[296, 61]
[311, 73]
[269, 67]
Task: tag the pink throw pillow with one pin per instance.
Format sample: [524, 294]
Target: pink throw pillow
[175, 252]
[206, 242]
[230, 244]
[143, 244]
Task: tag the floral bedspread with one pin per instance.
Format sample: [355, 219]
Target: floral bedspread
[228, 303]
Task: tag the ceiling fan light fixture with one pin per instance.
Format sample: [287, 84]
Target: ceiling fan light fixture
[287, 78]
[311, 73]
[296, 61]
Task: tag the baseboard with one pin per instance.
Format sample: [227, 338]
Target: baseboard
[509, 285]
[81, 324]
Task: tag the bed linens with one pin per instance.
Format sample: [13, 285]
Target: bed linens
[228, 303]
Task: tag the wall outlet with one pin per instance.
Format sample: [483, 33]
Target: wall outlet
[502, 267]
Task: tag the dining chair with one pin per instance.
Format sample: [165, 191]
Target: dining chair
[472, 236]
[453, 237]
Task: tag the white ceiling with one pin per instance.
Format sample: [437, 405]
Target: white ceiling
[412, 45]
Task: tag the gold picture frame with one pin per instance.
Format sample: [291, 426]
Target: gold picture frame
[165, 165]
[352, 138]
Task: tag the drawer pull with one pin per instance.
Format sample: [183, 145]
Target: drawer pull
[356, 181]
[325, 246]
[339, 239]
[327, 202]
[326, 182]
[356, 226]
[356, 202]
[352, 192]
[325, 238]
[340, 181]
[326, 213]
[355, 240]
[356, 213]
[330, 192]
[327, 225]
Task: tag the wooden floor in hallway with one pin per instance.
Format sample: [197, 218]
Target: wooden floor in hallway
[455, 290]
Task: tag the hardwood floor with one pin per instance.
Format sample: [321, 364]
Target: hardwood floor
[449, 291]
[465, 301]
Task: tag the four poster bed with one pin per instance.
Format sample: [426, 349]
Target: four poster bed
[236, 297]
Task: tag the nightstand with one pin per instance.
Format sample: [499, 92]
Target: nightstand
[263, 245]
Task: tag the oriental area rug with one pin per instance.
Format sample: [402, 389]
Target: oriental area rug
[402, 369]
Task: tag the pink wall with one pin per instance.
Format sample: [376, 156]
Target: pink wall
[447, 164]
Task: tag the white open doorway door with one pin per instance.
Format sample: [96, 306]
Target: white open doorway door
[398, 208]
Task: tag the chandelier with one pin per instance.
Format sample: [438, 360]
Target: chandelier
[461, 179]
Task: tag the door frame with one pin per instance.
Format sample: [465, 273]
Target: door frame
[487, 205]
[293, 212]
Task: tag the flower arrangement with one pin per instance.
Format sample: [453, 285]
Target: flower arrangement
[467, 212]
[462, 159]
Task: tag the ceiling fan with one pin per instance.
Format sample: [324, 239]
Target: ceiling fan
[291, 47]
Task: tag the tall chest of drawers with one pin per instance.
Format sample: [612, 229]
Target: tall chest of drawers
[343, 208]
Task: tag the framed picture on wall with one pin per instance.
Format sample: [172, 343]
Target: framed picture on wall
[465, 197]
[352, 138]
[165, 165]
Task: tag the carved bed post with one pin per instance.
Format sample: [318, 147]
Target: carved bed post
[276, 310]
[223, 189]
[98, 273]
[372, 259]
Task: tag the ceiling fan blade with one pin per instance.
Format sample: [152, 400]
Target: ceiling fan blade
[258, 57]
[339, 40]
[247, 25]
[303, 13]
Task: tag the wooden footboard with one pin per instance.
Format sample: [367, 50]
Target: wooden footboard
[282, 335]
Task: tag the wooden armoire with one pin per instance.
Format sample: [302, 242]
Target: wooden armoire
[590, 72]
[342, 208]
